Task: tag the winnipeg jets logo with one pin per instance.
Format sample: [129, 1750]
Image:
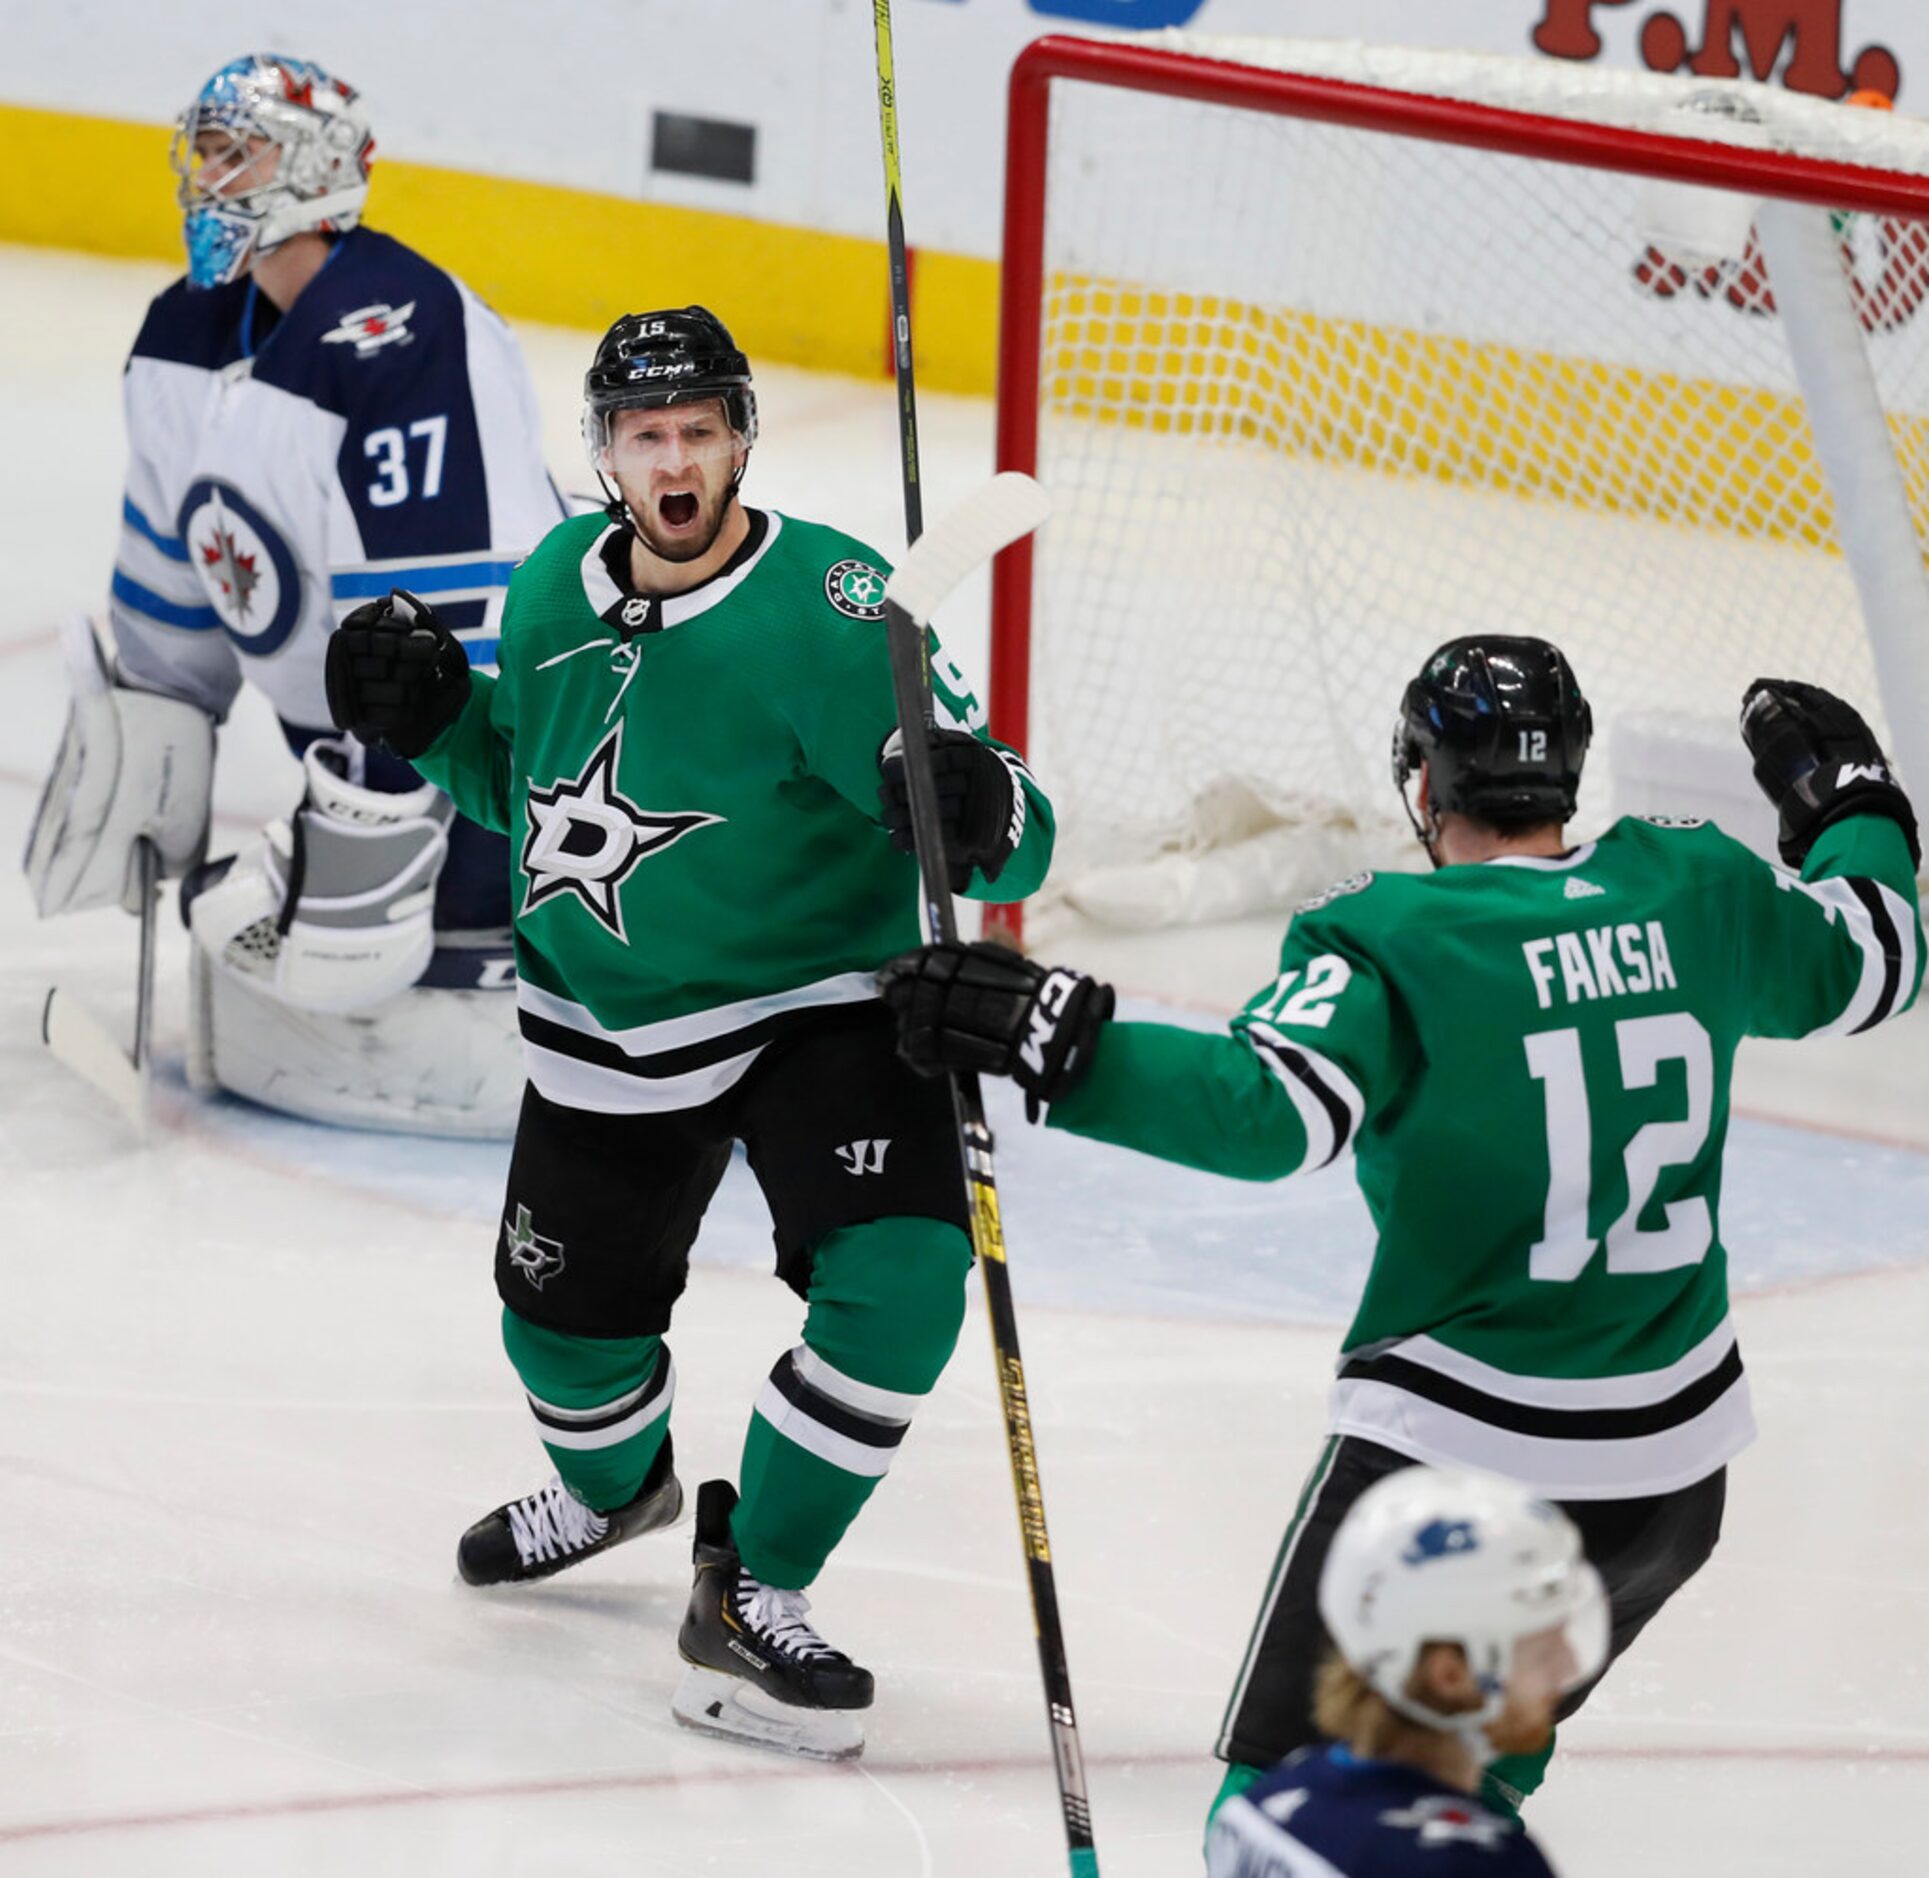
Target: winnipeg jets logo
[1436, 1819]
[233, 571]
[369, 328]
[537, 1258]
[1441, 1538]
[586, 837]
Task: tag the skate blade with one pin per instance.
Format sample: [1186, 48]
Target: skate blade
[735, 1710]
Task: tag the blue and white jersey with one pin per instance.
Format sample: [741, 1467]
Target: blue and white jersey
[1323, 1813]
[382, 433]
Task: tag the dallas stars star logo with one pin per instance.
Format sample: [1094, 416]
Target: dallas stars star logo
[586, 837]
[537, 1258]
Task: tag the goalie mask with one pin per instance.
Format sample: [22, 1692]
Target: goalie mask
[1445, 1555]
[271, 147]
[1503, 729]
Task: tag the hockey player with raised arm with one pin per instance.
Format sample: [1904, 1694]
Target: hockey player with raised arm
[315, 414]
[689, 743]
[1528, 1053]
[1461, 1611]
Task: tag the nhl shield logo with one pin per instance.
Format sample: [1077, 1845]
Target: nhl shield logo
[537, 1258]
[856, 589]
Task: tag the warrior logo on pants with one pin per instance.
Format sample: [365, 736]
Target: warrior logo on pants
[537, 1258]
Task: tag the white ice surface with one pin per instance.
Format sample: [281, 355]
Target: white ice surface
[250, 1391]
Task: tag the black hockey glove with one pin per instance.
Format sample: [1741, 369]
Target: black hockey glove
[979, 804]
[1817, 761]
[396, 675]
[988, 1009]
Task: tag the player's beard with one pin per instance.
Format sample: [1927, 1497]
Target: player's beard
[685, 542]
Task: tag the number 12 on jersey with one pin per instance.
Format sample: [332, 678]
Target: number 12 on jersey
[1644, 1043]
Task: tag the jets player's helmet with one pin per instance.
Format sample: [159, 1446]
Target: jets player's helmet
[1446, 1555]
[1502, 727]
[649, 360]
[271, 147]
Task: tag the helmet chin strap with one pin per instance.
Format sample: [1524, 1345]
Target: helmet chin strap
[1426, 832]
[1469, 1724]
[617, 507]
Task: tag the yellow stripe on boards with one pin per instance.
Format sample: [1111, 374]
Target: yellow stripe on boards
[793, 296]
[1614, 439]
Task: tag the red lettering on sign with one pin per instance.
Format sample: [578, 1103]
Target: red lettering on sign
[1802, 39]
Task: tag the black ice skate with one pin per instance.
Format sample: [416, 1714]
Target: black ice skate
[550, 1529]
[758, 1671]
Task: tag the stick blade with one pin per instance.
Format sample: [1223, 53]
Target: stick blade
[1002, 511]
[79, 1039]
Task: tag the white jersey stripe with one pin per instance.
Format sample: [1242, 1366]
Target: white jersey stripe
[1639, 1390]
[574, 1084]
[1840, 901]
[675, 1033]
[1624, 1469]
[1244, 1843]
[1307, 1077]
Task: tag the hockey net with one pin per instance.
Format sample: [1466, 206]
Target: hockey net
[1328, 353]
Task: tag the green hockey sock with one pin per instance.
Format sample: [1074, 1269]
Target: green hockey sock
[1510, 1779]
[886, 1303]
[602, 1405]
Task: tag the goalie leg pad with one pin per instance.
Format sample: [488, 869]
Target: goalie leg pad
[132, 765]
[335, 911]
[426, 1062]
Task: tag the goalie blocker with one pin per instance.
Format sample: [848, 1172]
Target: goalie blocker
[314, 964]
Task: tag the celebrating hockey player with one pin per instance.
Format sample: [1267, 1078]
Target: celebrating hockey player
[1461, 1611]
[688, 742]
[314, 414]
[1529, 1053]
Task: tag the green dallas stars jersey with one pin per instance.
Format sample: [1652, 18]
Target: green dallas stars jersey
[690, 786]
[1530, 1060]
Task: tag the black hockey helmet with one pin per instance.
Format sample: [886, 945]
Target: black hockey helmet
[1502, 727]
[647, 360]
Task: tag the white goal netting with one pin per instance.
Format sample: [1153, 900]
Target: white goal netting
[1313, 399]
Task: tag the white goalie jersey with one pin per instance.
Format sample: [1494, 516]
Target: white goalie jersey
[383, 433]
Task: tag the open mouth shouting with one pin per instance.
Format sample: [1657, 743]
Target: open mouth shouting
[678, 511]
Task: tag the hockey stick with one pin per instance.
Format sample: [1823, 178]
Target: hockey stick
[1006, 509]
[78, 1037]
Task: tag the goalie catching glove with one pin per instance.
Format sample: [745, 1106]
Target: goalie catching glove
[396, 675]
[981, 805]
[990, 1011]
[1817, 762]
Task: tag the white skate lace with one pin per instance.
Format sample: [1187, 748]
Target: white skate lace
[777, 1617]
[551, 1522]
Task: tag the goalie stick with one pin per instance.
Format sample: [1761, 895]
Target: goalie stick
[78, 1037]
[1003, 511]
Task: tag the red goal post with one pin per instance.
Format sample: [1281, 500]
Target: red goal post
[1854, 168]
